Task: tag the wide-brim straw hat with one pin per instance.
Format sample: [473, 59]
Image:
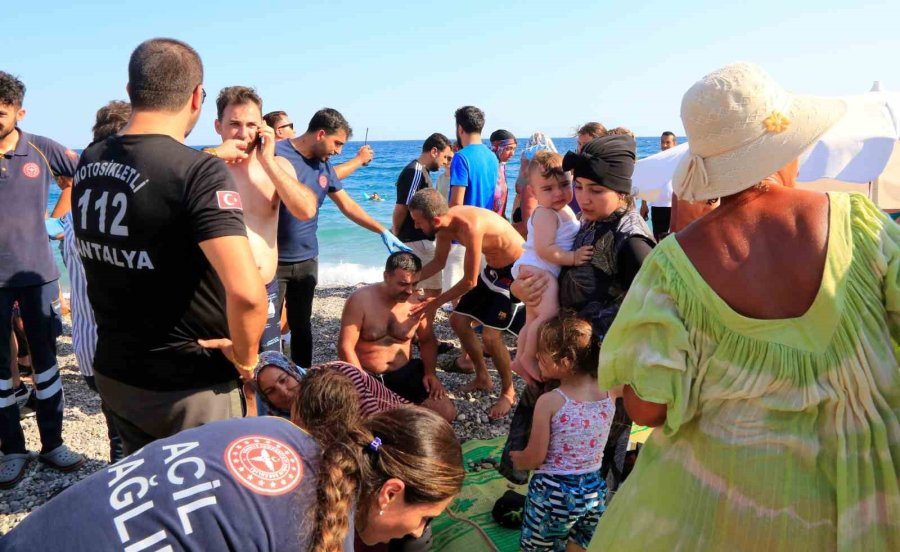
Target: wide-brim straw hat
[742, 126]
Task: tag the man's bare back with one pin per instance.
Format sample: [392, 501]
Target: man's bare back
[386, 330]
[501, 244]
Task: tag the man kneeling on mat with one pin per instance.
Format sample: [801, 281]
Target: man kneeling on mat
[485, 296]
[377, 329]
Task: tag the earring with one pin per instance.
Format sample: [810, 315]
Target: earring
[380, 512]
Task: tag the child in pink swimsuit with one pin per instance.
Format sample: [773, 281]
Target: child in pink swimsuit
[566, 495]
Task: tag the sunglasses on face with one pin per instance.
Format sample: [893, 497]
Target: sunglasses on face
[289, 125]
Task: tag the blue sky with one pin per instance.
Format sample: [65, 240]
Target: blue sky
[401, 68]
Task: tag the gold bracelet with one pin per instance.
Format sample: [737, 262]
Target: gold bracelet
[247, 367]
[211, 151]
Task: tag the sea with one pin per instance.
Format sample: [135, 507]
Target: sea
[349, 254]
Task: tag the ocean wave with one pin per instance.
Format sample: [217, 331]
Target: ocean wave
[349, 273]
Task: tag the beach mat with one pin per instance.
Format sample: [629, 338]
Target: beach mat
[467, 525]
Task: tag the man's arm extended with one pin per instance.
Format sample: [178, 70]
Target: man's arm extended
[354, 212]
[363, 156]
[351, 326]
[472, 265]
[245, 293]
[441, 252]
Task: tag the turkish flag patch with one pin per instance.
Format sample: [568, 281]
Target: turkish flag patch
[229, 200]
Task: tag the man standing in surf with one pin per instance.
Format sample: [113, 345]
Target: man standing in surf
[483, 294]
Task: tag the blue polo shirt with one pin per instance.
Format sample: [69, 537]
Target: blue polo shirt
[476, 168]
[297, 238]
[26, 174]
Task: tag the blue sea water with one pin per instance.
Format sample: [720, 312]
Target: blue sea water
[350, 254]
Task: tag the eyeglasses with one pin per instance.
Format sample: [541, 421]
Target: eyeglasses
[289, 125]
[203, 96]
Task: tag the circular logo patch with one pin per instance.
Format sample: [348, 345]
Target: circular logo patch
[323, 181]
[264, 465]
[31, 170]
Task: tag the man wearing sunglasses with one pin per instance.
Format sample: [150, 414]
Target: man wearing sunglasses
[284, 130]
[160, 230]
[281, 124]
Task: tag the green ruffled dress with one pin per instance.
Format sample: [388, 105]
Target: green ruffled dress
[780, 434]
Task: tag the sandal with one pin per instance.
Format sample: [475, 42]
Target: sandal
[62, 458]
[13, 468]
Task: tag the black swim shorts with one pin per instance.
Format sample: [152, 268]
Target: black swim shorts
[491, 303]
[406, 381]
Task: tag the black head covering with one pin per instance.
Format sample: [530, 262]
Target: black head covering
[501, 134]
[608, 160]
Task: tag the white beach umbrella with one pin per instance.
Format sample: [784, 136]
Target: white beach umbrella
[858, 153]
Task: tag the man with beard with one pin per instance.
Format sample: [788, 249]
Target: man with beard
[160, 230]
[436, 154]
[377, 330]
[298, 248]
[483, 293]
[28, 274]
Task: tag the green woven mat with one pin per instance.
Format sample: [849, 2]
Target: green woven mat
[467, 525]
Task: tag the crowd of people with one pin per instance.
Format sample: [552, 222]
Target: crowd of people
[760, 338]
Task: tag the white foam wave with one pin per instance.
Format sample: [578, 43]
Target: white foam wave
[349, 273]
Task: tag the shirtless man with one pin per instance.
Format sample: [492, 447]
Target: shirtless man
[263, 181]
[484, 296]
[377, 329]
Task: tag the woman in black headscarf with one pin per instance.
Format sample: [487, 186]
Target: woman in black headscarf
[622, 240]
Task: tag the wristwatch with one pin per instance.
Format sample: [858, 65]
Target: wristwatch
[211, 151]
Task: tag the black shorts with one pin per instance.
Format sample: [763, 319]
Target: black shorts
[491, 303]
[407, 381]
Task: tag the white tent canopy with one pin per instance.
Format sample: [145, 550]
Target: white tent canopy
[859, 153]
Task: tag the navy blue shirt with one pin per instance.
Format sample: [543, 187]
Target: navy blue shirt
[297, 238]
[241, 484]
[26, 174]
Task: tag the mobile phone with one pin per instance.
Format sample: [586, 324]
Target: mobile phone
[254, 143]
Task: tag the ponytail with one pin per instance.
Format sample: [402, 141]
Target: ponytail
[416, 446]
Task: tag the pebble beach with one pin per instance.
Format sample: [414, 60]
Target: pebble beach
[84, 428]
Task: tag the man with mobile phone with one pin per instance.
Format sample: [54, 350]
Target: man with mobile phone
[264, 183]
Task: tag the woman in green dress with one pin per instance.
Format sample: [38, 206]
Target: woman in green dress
[760, 340]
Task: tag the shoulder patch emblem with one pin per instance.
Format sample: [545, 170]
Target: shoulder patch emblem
[228, 199]
[264, 465]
